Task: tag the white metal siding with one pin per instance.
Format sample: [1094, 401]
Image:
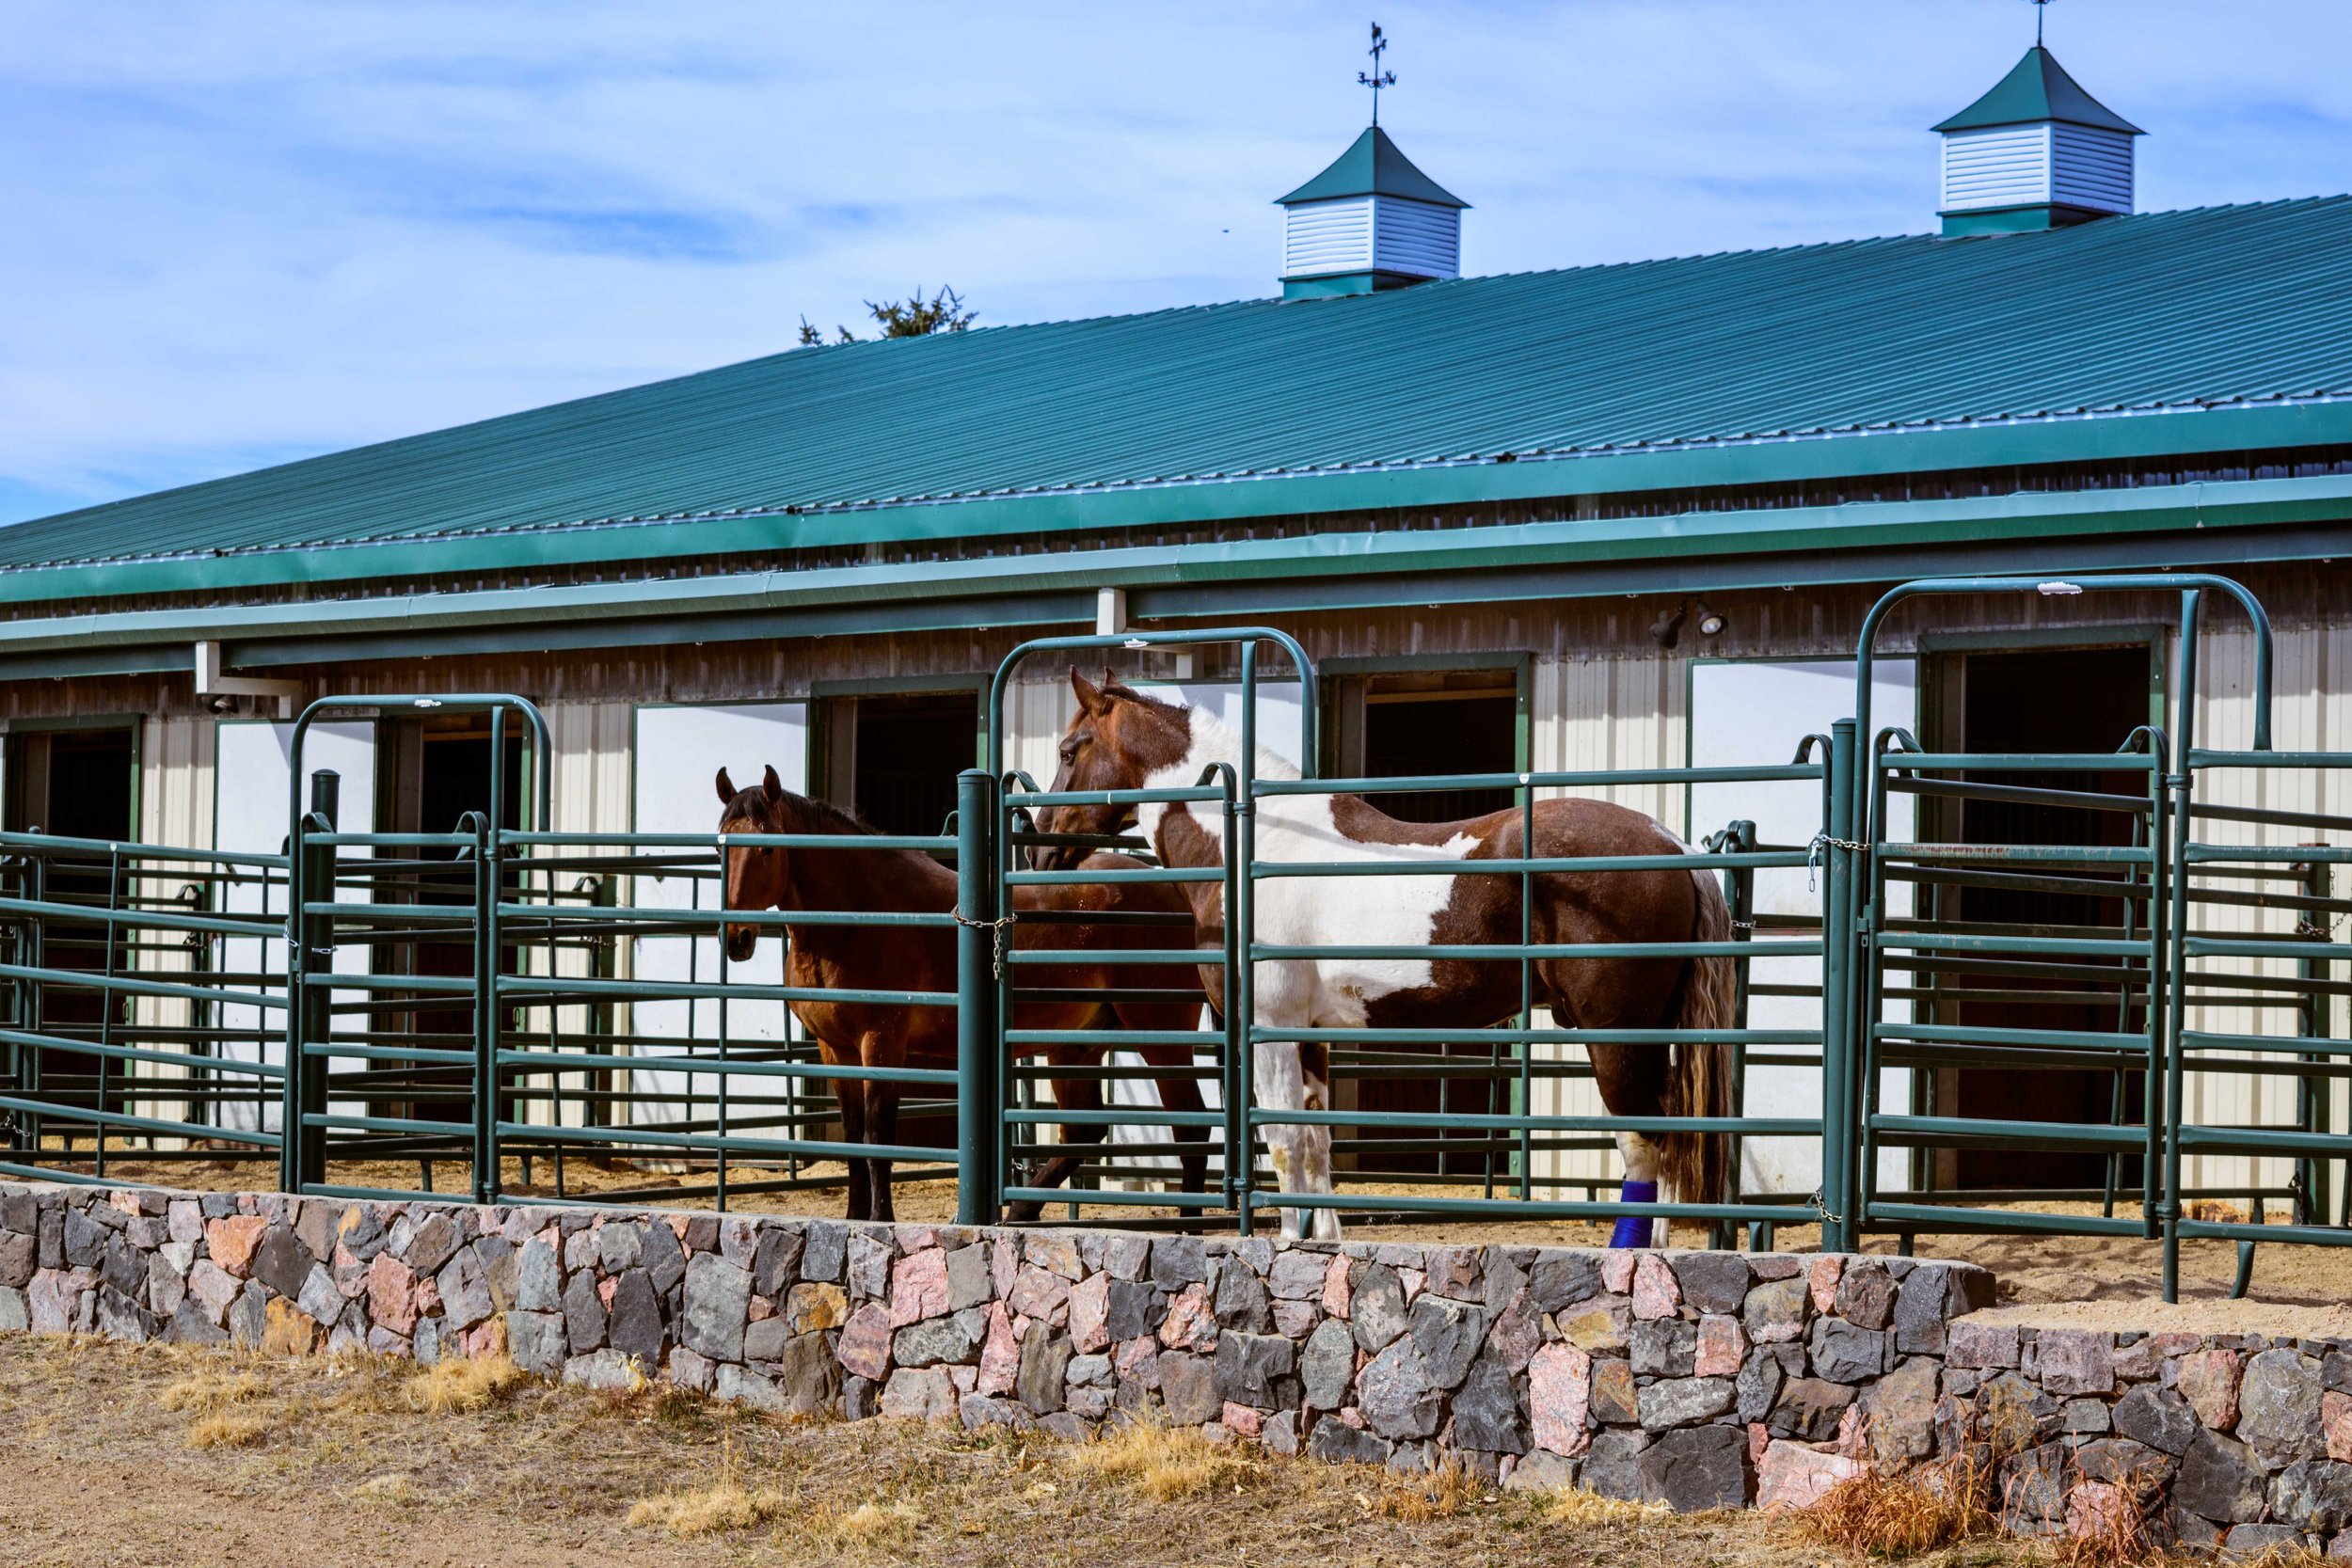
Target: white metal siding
[2091, 168]
[1418, 238]
[2006, 166]
[1327, 237]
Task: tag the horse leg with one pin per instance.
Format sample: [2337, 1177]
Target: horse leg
[1315, 1142]
[882, 1119]
[1633, 1083]
[1180, 1091]
[851, 1095]
[1280, 1085]
[1083, 1140]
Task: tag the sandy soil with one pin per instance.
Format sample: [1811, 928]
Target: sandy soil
[337, 1467]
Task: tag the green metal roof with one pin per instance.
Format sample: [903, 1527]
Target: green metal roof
[1927, 353]
[2038, 87]
[1373, 166]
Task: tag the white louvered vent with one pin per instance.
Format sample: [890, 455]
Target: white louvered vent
[2008, 166]
[1419, 239]
[2091, 168]
[1327, 237]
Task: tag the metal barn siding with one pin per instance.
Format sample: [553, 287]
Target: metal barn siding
[175, 806]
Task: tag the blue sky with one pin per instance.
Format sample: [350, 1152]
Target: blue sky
[240, 232]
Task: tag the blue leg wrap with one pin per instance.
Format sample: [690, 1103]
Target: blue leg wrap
[1634, 1232]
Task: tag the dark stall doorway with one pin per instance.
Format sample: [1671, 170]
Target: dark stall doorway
[75, 783]
[894, 758]
[431, 774]
[1402, 724]
[2067, 699]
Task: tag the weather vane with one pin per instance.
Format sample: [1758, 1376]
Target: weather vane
[2041, 8]
[1376, 78]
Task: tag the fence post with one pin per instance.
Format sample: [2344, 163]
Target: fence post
[1838, 1029]
[486, 1003]
[978, 1123]
[310, 950]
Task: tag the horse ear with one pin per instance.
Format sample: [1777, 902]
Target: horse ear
[1090, 699]
[773, 786]
[727, 788]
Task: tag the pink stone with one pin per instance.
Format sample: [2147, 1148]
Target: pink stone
[1723, 1345]
[864, 1347]
[1414, 1281]
[391, 1294]
[2100, 1509]
[677, 1226]
[605, 1289]
[1559, 1397]
[914, 1237]
[1850, 1439]
[1241, 1421]
[1000, 1353]
[428, 1295]
[128, 1203]
[1090, 1305]
[1616, 1270]
[1351, 1417]
[1827, 1270]
[760, 1310]
[2335, 1420]
[2178, 1344]
[1656, 1292]
[1137, 1361]
[1336, 1293]
[2209, 1382]
[2077, 1361]
[232, 1241]
[1191, 1321]
[918, 1287]
[1041, 1293]
[965, 1378]
[1004, 1264]
[488, 1338]
[1759, 1439]
[1293, 1320]
[1792, 1475]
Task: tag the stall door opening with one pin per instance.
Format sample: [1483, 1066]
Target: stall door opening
[894, 758]
[2069, 700]
[75, 783]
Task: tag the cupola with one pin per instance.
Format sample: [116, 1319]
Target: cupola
[2035, 152]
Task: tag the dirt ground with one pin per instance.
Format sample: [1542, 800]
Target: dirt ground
[119, 1456]
[2031, 1270]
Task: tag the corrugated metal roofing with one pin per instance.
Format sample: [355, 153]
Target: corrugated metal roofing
[2211, 307]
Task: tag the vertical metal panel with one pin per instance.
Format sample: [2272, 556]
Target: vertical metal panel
[175, 806]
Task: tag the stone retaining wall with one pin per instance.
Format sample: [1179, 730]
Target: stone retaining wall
[1701, 1379]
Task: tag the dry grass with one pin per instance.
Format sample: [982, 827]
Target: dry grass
[1166, 1463]
[1896, 1516]
[228, 1428]
[1575, 1508]
[461, 1385]
[1441, 1494]
[209, 1389]
[871, 1526]
[724, 1505]
[397, 1490]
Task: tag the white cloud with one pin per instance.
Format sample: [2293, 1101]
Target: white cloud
[242, 231]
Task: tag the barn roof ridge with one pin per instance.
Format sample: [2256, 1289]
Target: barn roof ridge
[2146, 314]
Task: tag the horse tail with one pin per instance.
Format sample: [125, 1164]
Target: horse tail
[1697, 1165]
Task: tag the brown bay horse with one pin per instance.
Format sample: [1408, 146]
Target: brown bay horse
[1124, 739]
[923, 957]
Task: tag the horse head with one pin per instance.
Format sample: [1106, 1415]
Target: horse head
[755, 878]
[1119, 738]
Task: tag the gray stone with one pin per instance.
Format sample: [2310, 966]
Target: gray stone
[85, 1240]
[538, 1279]
[1089, 1370]
[1414, 1459]
[1188, 1390]
[635, 1327]
[18, 1256]
[1664, 1347]
[1712, 1281]
[1696, 1468]
[320, 1298]
[465, 1293]
[121, 1318]
[923, 1395]
[1866, 1295]
[776, 1261]
[281, 1261]
[1540, 1471]
[189, 1325]
[1334, 1439]
[1297, 1276]
[662, 1258]
[868, 1268]
[2219, 1481]
[1376, 1310]
[2264, 1540]
[1329, 1365]
[500, 1268]
[1178, 1261]
[16, 1313]
[1759, 1386]
[1397, 1394]
[2123, 1461]
[825, 1252]
[860, 1397]
[1809, 1409]
[1676, 1402]
[740, 1385]
[1045, 1368]
[765, 1340]
[1845, 1353]
[1899, 1411]
[1280, 1432]
[2084, 1416]
[2335, 1371]
[1248, 1366]
[1126, 1257]
[249, 1316]
[1506, 1280]
[969, 1283]
[808, 1376]
[535, 1340]
[1447, 1333]
[938, 1339]
[978, 1410]
[2074, 1361]
[718, 1295]
[1486, 1416]
[584, 1313]
[124, 1267]
[1561, 1280]
[688, 1371]
[434, 1241]
[1931, 1296]
[1131, 1311]
[2033, 1486]
[2279, 1405]
[1241, 1301]
[2313, 1494]
[2156, 1417]
[1775, 1312]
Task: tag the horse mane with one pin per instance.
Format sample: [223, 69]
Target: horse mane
[1213, 737]
[817, 815]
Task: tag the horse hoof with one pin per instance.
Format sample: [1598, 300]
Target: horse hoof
[1631, 1231]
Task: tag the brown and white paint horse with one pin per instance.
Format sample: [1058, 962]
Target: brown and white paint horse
[1124, 740]
[923, 957]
